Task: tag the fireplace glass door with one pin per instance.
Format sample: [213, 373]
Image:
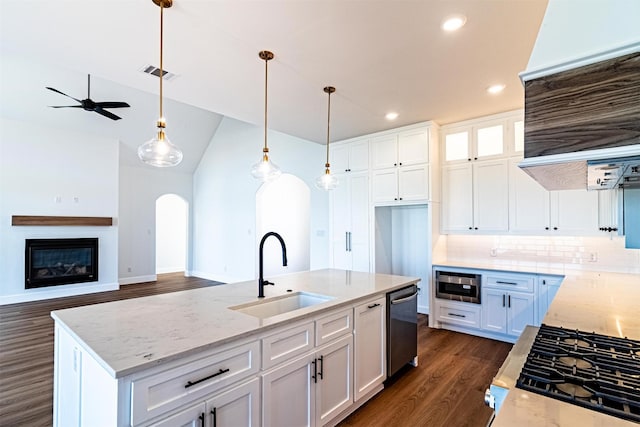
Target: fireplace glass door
[50, 262]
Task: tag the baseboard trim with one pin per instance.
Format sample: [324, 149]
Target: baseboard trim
[137, 279]
[68, 291]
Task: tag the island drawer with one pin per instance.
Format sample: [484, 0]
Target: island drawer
[287, 343]
[166, 390]
[334, 326]
[463, 313]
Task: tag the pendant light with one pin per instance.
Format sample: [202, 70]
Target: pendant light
[326, 181]
[265, 170]
[159, 151]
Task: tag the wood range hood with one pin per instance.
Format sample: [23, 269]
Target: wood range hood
[579, 113]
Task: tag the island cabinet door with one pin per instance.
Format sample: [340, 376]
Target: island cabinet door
[334, 379]
[238, 407]
[370, 346]
[289, 394]
[193, 416]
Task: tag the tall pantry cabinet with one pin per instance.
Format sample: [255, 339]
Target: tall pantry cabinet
[385, 210]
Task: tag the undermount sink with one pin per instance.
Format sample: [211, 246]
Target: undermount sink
[280, 305]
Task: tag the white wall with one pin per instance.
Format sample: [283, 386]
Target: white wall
[282, 206]
[39, 164]
[578, 28]
[171, 233]
[139, 189]
[224, 222]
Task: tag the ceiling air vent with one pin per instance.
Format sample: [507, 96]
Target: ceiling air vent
[155, 71]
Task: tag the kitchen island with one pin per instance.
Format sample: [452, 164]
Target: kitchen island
[170, 359]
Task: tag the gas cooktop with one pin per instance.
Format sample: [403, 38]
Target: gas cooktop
[587, 369]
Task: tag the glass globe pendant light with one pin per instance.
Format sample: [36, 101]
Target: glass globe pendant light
[159, 151]
[265, 170]
[326, 181]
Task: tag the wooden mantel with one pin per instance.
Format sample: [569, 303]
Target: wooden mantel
[61, 220]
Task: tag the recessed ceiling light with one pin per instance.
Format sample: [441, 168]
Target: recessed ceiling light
[391, 116]
[454, 22]
[494, 89]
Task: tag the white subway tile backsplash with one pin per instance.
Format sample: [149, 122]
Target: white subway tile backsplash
[572, 252]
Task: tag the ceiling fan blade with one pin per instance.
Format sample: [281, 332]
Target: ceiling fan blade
[65, 106]
[62, 93]
[112, 104]
[106, 113]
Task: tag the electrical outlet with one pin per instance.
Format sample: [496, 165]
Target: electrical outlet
[593, 257]
[128, 269]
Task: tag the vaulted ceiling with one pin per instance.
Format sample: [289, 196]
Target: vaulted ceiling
[381, 55]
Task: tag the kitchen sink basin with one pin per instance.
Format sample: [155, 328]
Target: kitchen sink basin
[280, 305]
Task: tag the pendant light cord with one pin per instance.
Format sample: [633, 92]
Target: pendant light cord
[266, 76]
[161, 37]
[328, 121]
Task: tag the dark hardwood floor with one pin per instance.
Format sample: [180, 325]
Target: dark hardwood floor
[446, 389]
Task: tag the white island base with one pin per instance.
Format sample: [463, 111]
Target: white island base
[186, 359]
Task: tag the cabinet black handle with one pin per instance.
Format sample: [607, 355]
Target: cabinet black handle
[201, 418]
[509, 299]
[475, 228]
[214, 419]
[546, 228]
[475, 158]
[457, 315]
[470, 228]
[395, 198]
[469, 160]
[400, 163]
[503, 300]
[395, 164]
[500, 282]
[544, 282]
[373, 305]
[220, 372]
[555, 228]
[400, 198]
[315, 371]
[321, 373]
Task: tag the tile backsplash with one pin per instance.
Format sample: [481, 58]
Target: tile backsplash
[562, 252]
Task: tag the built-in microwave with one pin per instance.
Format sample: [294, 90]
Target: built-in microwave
[456, 286]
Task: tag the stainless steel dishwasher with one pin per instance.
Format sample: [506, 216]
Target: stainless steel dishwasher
[402, 328]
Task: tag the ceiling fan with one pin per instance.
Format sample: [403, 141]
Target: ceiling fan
[90, 105]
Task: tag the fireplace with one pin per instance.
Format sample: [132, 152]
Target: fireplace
[51, 262]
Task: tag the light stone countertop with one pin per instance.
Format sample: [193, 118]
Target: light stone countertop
[601, 302]
[131, 335]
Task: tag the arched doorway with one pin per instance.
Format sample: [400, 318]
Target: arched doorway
[283, 206]
[171, 233]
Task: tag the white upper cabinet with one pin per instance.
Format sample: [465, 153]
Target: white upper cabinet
[404, 148]
[350, 157]
[475, 197]
[485, 138]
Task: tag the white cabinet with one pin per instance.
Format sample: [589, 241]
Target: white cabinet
[334, 364]
[370, 346]
[610, 212]
[350, 222]
[238, 407]
[404, 148]
[533, 209]
[404, 183]
[475, 197]
[312, 389]
[548, 287]
[508, 303]
[289, 394]
[400, 166]
[474, 141]
[350, 157]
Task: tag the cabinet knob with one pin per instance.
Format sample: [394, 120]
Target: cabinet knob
[555, 228]
[475, 158]
[546, 228]
[400, 163]
[395, 198]
[395, 164]
[469, 160]
[400, 198]
[470, 228]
